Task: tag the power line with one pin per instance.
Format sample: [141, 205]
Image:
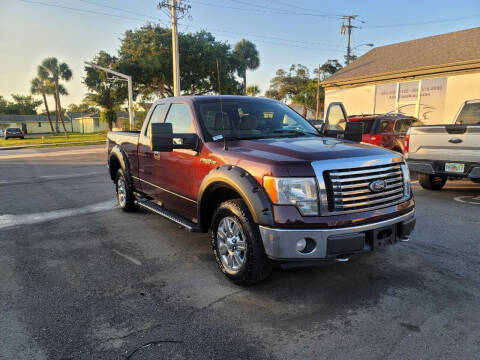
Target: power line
[424, 22]
[116, 8]
[290, 5]
[80, 10]
[278, 12]
[283, 11]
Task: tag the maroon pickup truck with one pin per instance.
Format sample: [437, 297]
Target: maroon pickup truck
[269, 186]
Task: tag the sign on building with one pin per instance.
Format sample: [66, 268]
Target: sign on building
[424, 99]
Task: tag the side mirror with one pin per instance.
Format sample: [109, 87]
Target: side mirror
[162, 137]
[164, 140]
[353, 131]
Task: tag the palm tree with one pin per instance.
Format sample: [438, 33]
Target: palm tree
[51, 70]
[253, 90]
[246, 54]
[44, 88]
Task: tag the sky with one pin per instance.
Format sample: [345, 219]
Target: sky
[285, 32]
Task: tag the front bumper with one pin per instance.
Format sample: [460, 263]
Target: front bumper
[280, 244]
[472, 170]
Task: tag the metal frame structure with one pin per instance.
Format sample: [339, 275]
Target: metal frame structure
[128, 78]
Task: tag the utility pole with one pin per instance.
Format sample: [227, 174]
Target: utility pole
[128, 78]
[174, 7]
[348, 29]
[317, 112]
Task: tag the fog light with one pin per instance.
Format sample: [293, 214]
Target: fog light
[301, 245]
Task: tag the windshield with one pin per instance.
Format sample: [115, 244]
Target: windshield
[251, 119]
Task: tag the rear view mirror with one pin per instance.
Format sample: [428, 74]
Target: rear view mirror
[162, 137]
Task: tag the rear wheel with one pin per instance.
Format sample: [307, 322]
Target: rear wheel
[125, 197]
[432, 182]
[237, 244]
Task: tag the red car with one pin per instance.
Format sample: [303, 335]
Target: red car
[387, 131]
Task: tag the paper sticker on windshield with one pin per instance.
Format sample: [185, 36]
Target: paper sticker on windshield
[217, 137]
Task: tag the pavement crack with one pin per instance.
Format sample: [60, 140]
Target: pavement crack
[152, 343]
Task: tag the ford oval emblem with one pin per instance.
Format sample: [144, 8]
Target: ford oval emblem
[377, 186]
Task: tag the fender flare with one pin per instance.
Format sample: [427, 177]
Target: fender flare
[119, 154]
[239, 180]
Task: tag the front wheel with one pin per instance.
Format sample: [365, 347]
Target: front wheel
[125, 197]
[237, 244]
[432, 182]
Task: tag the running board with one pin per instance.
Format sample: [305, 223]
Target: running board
[160, 210]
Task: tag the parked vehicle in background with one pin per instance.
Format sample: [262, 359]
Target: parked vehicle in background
[266, 183]
[13, 132]
[1, 132]
[387, 131]
[440, 152]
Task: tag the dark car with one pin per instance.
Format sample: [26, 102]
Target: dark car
[13, 132]
[387, 131]
[266, 183]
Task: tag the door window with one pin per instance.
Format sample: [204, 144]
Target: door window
[156, 117]
[402, 125]
[180, 118]
[336, 117]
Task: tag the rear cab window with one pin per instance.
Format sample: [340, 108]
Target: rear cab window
[469, 115]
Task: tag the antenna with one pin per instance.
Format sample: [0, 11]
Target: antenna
[221, 107]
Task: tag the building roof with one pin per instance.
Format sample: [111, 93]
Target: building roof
[453, 51]
[10, 118]
[120, 114]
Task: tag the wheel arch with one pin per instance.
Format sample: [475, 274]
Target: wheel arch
[119, 160]
[228, 182]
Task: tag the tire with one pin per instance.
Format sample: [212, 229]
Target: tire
[125, 197]
[432, 182]
[255, 266]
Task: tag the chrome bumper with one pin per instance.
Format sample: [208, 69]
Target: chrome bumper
[280, 244]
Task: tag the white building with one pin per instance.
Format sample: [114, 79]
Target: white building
[428, 78]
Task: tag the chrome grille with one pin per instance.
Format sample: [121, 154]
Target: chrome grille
[348, 189]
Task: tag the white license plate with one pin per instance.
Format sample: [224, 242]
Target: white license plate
[454, 167]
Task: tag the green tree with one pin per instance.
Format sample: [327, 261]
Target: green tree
[53, 71]
[43, 87]
[83, 107]
[329, 68]
[294, 86]
[246, 54]
[21, 105]
[105, 92]
[146, 55]
[253, 90]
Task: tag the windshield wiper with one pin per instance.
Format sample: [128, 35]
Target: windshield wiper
[294, 132]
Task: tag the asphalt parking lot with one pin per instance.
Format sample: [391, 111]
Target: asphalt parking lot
[80, 279]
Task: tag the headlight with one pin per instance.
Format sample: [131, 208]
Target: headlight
[406, 180]
[301, 192]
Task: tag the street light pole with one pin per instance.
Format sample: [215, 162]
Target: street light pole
[131, 113]
[176, 60]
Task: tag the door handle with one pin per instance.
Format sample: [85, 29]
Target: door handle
[455, 140]
[156, 155]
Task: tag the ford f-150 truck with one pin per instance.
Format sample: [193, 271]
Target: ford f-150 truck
[440, 152]
[267, 184]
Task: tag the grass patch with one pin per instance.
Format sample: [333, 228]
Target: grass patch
[53, 139]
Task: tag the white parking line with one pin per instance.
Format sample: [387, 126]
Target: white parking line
[129, 258]
[51, 154]
[9, 220]
[52, 177]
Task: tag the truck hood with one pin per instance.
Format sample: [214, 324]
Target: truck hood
[299, 150]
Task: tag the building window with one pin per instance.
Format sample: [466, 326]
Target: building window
[96, 123]
[39, 124]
